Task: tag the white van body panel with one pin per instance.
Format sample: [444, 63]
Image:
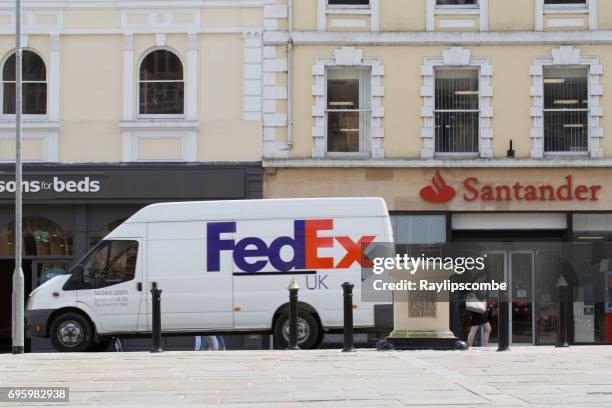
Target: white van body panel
[191, 298]
[246, 288]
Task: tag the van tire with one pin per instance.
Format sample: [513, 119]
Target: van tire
[71, 332]
[309, 325]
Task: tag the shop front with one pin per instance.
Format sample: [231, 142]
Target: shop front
[70, 208]
[534, 224]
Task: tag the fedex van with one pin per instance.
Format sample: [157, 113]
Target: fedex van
[223, 267]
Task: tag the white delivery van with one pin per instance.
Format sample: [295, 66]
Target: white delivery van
[223, 267]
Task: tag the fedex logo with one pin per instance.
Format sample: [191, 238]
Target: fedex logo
[305, 243]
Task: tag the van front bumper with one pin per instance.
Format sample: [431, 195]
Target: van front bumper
[36, 322]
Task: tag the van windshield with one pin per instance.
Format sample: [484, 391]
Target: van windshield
[110, 263]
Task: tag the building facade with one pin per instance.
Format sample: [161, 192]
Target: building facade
[125, 104]
[476, 120]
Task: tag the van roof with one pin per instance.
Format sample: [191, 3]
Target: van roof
[292, 208]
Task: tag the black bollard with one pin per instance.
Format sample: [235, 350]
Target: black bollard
[562, 291]
[347, 289]
[503, 343]
[293, 315]
[156, 320]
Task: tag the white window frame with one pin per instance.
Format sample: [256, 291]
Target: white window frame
[544, 110]
[39, 127]
[183, 81]
[348, 57]
[590, 7]
[458, 154]
[457, 57]
[348, 6]
[481, 9]
[363, 75]
[135, 126]
[324, 8]
[26, 116]
[566, 56]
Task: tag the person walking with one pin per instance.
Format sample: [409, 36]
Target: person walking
[214, 343]
[480, 315]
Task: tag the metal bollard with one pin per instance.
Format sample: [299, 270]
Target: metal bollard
[562, 292]
[347, 289]
[156, 320]
[504, 329]
[293, 315]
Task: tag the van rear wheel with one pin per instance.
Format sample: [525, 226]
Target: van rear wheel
[308, 330]
[71, 332]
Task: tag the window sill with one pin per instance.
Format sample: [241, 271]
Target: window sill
[165, 123]
[566, 9]
[356, 156]
[457, 10]
[457, 156]
[29, 123]
[565, 155]
[349, 10]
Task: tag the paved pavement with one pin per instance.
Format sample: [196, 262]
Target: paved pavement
[525, 376]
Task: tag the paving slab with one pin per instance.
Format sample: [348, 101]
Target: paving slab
[535, 377]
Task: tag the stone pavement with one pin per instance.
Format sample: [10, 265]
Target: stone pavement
[524, 377]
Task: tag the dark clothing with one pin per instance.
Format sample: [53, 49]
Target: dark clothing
[478, 319]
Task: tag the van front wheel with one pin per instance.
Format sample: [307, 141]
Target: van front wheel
[71, 332]
[308, 330]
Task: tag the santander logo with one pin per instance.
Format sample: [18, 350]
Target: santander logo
[567, 189]
[438, 191]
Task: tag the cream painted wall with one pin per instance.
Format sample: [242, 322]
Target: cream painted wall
[605, 15]
[221, 73]
[224, 136]
[396, 16]
[92, 18]
[514, 15]
[91, 93]
[402, 102]
[305, 15]
[228, 17]
[605, 58]
[92, 90]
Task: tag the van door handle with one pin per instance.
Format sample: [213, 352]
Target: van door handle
[139, 286]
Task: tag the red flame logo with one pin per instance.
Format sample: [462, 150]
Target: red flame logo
[438, 191]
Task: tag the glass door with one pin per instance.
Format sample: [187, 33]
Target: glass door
[548, 262]
[521, 281]
[497, 271]
[516, 268]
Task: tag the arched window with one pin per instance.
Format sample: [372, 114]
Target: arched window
[41, 237]
[34, 85]
[162, 89]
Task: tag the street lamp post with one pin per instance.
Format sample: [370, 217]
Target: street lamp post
[18, 281]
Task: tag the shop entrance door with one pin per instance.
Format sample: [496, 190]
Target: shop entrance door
[516, 268]
[35, 272]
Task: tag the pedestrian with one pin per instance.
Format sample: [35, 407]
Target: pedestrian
[480, 315]
[214, 343]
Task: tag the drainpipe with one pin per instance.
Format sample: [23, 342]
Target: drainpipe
[290, 76]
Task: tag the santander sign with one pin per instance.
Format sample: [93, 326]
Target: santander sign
[473, 190]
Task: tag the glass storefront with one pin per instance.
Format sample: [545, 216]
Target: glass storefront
[60, 226]
[532, 270]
